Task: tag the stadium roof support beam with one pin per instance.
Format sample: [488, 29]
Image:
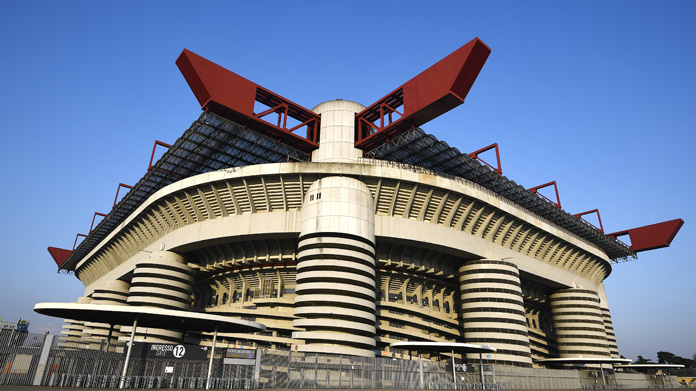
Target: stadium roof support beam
[77, 237]
[154, 147]
[430, 94]
[535, 190]
[231, 96]
[94, 218]
[118, 189]
[651, 237]
[579, 215]
[475, 155]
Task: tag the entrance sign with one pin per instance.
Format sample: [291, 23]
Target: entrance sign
[172, 351]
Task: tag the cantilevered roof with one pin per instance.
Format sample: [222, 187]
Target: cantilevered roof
[444, 347]
[649, 366]
[148, 317]
[585, 360]
[418, 148]
[210, 144]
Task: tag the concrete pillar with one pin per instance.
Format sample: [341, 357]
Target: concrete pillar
[578, 324]
[75, 331]
[163, 280]
[336, 269]
[493, 310]
[112, 293]
[337, 132]
[608, 324]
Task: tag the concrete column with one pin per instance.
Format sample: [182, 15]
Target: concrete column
[75, 331]
[578, 323]
[608, 324]
[336, 269]
[493, 310]
[337, 132]
[112, 293]
[163, 280]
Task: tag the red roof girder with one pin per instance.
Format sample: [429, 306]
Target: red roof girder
[430, 94]
[651, 237]
[229, 95]
[59, 255]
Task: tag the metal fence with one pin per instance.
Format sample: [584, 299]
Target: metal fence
[326, 371]
[36, 359]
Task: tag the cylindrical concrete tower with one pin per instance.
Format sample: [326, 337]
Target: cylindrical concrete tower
[336, 269]
[608, 324]
[162, 281]
[114, 292]
[578, 322]
[337, 132]
[493, 310]
[75, 330]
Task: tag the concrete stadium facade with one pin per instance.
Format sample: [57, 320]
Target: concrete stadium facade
[345, 255]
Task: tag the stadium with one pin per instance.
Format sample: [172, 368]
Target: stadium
[364, 232]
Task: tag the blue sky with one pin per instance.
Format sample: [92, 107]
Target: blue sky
[598, 96]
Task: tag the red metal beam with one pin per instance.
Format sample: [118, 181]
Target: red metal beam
[651, 237]
[154, 147]
[77, 237]
[120, 185]
[93, 218]
[579, 216]
[59, 255]
[432, 93]
[225, 93]
[536, 191]
[475, 155]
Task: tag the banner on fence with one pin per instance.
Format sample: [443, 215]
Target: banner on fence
[241, 353]
[459, 367]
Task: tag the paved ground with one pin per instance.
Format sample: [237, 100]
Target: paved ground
[36, 388]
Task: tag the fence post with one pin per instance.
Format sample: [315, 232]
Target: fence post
[420, 370]
[316, 368]
[257, 365]
[43, 359]
[287, 385]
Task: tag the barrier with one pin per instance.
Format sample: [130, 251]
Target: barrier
[97, 364]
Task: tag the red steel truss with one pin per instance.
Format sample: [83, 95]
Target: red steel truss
[229, 95]
[94, 218]
[579, 215]
[535, 190]
[432, 93]
[652, 236]
[77, 237]
[475, 155]
[154, 147]
[120, 185]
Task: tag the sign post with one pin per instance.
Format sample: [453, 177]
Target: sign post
[130, 347]
[212, 354]
[481, 366]
[454, 371]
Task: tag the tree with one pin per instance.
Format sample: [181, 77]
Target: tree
[665, 358]
[641, 360]
[670, 358]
